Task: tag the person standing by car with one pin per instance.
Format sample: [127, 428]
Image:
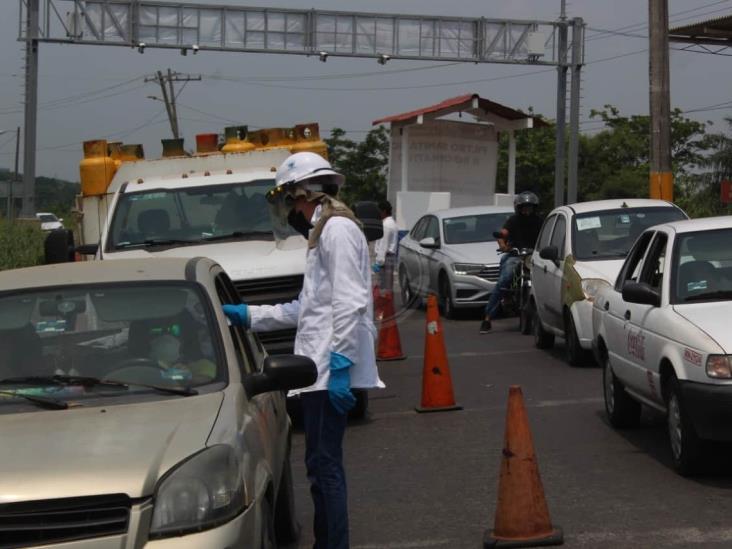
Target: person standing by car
[519, 231]
[333, 316]
[386, 248]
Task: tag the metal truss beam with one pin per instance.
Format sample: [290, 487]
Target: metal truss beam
[192, 27]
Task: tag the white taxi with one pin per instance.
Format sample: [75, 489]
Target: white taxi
[662, 337]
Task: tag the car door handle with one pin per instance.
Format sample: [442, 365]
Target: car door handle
[627, 315]
[607, 306]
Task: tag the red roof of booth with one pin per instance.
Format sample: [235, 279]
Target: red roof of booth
[462, 103]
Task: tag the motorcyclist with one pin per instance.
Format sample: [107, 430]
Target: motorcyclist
[519, 231]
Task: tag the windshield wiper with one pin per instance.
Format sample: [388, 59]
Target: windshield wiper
[43, 402]
[719, 294]
[153, 242]
[236, 234]
[92, 381]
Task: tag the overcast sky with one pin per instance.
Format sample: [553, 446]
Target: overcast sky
[697, 80]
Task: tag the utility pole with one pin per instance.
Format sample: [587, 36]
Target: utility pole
[168, 92]
[31, 102]
[559, 159]
[661, 183]
[11, 209]
[574, 108]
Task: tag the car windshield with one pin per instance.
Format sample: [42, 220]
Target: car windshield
[609, 234]
[702, 268]
[192, 215]
[473, 228]
[158, 335]
[47, 218]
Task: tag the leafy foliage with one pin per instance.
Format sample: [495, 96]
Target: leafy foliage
[364, 163]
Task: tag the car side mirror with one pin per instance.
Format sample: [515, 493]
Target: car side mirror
[550, 253]
[282, 373]
[429, 243]
[87, 249]
[641, 293]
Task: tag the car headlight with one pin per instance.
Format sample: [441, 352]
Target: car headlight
[204, 491]
[719, 366]
[467, 268]
[591, 286]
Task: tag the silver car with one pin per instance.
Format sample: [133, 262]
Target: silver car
[453, 254]
[133, 415]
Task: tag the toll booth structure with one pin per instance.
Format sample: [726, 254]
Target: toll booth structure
[438, 160]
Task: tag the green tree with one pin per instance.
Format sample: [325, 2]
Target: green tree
[365, 164]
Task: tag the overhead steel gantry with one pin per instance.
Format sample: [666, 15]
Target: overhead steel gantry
[192, 28]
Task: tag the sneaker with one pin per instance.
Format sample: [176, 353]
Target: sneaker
[485, 326]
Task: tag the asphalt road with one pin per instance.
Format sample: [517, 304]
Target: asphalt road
[430, 480]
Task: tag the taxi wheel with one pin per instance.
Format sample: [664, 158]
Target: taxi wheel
[447, 307]
[542, 338]
[576, 355]
[408, 297]
[287, 530]
[686, 447]
[622, 411]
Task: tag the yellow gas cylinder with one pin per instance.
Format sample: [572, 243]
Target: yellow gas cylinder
[308, 140]
[132, 153]
[96, 169]
[235, 138]
[114, 151]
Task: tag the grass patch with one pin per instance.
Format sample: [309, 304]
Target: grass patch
[21, 245]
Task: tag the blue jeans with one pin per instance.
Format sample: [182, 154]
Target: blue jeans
[508, 266]
[324, 430]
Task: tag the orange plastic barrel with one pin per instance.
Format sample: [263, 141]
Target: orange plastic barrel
[207, 143]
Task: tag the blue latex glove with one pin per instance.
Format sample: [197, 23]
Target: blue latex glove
[238, 315]
[339, 384]
[376, 267]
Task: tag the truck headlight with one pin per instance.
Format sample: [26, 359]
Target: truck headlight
[591, 286]
[719, 366]
[202, 492]
[467, 268]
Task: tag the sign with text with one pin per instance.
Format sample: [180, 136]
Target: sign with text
[447, 156]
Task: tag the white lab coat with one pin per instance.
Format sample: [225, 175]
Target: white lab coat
[388, 243]
[334, 311]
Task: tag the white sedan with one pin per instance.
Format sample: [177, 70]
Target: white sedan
[662, 337]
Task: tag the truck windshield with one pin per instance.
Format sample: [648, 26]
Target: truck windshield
[609, 234]
[191, 215]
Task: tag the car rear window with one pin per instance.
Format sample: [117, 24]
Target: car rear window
[609, 234]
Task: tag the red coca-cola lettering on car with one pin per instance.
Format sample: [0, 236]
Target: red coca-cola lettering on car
[692, 357]
[637, 345]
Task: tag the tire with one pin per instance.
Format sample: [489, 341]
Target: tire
[267, 532]
[287, 530]
[447, 307]
[542, 338]
[576, 355]
[622, 411]
[526, 317]
[362, 404]
[686, 447]
[405, 289]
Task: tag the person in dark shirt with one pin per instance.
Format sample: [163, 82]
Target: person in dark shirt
[520, 231]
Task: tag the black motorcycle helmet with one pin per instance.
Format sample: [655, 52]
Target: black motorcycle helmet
[526, 198]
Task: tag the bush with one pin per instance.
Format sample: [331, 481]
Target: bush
[21, 245]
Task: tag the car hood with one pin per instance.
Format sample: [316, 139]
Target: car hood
[119, 449]
[605, 270]
[241, 259]
[711, 318]
[475, 252]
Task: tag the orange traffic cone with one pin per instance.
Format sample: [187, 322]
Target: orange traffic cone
[437, 394]
[522, 516]
[390, 345]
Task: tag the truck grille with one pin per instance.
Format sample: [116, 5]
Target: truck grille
[54, 521]
[490, 272]
[269, 291]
